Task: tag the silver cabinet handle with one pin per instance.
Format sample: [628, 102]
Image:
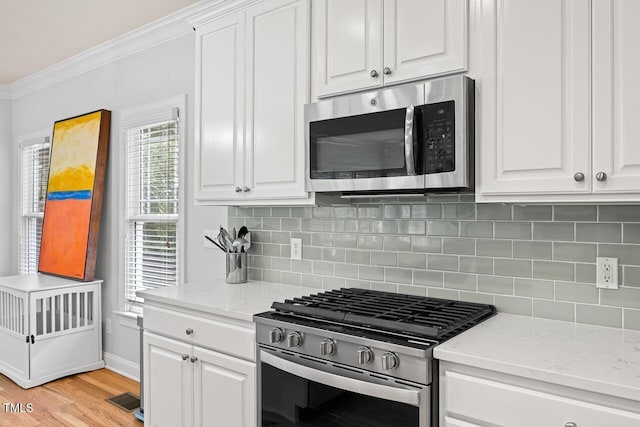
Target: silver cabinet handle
[373, 73]
[194, 359]
[246, 189]
[579, 176]
[238, 189]
[408, 141]
[185, 356]
[189, 331]
[601, 176]
[571, 424]
[386, 71]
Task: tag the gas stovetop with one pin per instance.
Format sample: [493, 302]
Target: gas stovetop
[381, 332]
[400, 314]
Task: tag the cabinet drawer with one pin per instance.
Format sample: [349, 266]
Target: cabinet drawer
[208, 333]
[488, 402]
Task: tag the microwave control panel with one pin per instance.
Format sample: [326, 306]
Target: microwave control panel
[438, 121]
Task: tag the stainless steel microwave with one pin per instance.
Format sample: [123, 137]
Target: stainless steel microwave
[411, 138]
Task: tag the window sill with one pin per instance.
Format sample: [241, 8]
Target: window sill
[128, 319]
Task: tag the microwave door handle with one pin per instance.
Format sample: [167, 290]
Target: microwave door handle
[401, 395]
[408, 141]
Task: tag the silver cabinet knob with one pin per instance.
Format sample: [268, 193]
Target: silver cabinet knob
[246, 189]
[194, 359]
[185, 356]
[373, 73]
[601, 176]
[571, 424]
[389, 361]
[386, 71]
[189, 331]
[327, 347]
[275, 335]
[365, 356]
[294, 339]
[579, 176]
[238, 189]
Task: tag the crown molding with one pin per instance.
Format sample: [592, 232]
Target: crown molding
[5, 92]
[164, 29]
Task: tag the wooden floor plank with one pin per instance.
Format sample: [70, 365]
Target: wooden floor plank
[77, 400]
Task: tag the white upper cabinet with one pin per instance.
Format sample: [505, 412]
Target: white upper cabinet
[616, 96]
[219, 161]
[363, 44]
[347, 45]
[531, 65]
[424, 38]
[252, 82]
[277, 90]
[557, 100]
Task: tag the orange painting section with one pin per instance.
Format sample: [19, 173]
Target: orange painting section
[64, 237]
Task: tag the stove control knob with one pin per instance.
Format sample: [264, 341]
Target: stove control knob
[294, 339]
[275, 335]
[389, 361]
[327, 347]
[365, 355]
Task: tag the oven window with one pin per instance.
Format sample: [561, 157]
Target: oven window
[364, 146]
[288, 401]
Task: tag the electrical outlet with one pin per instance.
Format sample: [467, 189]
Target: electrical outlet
[107, 325]
[212, 234]
[296, 248]
[607, 273]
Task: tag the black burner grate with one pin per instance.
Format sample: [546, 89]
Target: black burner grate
[422, 316]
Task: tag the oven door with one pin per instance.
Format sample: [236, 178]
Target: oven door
[308, 392]
[365, 142]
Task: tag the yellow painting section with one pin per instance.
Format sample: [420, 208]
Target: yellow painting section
[73, 159]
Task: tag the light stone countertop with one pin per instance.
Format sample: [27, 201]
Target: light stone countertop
[239, 301]
[594, 358]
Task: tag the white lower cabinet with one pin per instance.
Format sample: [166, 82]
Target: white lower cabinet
[186, 384]
[474, 397]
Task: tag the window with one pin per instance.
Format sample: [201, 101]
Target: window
[34, 159]
[152, 142]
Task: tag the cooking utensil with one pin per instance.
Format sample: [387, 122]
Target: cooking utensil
[243, 231]
[228, 241]
[215, 243]
[222, 242]
[238, 244]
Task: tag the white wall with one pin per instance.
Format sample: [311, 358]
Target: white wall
[6, 192]
[157, 73]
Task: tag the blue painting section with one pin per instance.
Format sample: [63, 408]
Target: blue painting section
[66, 195]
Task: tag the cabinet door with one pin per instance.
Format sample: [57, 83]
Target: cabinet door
[531, 63]
[225, 390]
[424, 38]
[168, 382]
[219, 130]
[277, 90]
[347, 37]
[616, 95]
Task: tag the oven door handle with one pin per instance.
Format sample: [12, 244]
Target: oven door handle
[401, 395]
[408, 141]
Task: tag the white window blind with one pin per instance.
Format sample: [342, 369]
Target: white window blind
[152, 194]
[34, 176]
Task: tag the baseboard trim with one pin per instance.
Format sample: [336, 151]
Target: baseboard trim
[122, 366]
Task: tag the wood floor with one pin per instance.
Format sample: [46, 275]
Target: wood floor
[78, 400]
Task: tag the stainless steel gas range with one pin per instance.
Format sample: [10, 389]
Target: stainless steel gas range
[355, 358]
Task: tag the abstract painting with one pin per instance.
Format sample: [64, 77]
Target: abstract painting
[74, 196]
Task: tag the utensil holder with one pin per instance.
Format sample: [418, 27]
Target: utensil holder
[236, 268]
